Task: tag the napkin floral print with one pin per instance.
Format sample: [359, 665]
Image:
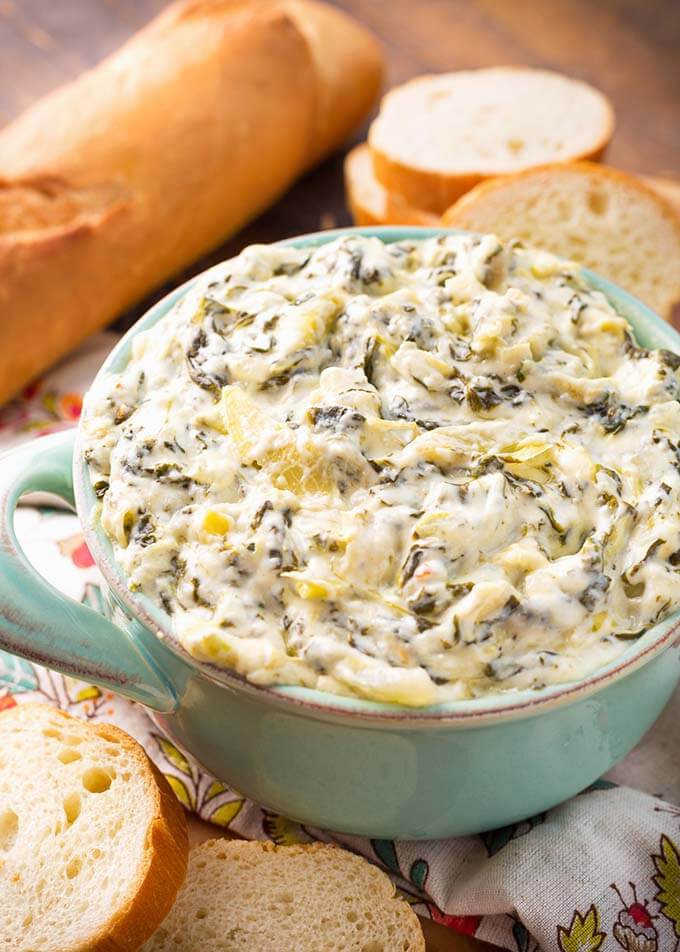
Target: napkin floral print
[637, 928]
[601, 872]
[54, 402]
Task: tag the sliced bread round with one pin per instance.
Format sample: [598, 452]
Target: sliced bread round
[256, 896]
[372, 204]
[438, 136]
[608, 220]
[93, 844]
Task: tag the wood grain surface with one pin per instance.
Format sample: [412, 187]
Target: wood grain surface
[627, 48]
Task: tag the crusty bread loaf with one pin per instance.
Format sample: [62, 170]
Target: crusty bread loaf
[113, 183]
[257, 897]
[602, 217]
[438, 136]
[348, 66]
[93, 844]
[372, 204]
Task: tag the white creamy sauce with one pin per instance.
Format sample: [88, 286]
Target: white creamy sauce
[413, 472]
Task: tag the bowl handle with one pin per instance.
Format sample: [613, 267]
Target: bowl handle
[41, 624]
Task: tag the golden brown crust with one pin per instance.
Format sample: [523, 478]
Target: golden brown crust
[165, 866]
[667, 188]
[349, 63]
[422, 188]
[432, 191]
[193, 127]
[166, 850]
[370, 203]
[362, 216]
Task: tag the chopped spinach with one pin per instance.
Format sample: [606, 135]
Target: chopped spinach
[400, 410]
[411, 563]
[145, 531]
[424, 604]
[669, 359]
[612, 416]
[336, 418]
[590, 595]
[100, 488]
[482, 398]
[195, 357]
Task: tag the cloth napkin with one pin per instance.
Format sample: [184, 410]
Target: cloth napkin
[601, 871]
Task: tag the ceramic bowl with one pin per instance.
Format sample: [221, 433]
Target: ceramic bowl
[341, 763]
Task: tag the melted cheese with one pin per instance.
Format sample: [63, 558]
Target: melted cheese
[412, 472]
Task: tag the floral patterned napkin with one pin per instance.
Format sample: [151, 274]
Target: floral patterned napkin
[602, 871]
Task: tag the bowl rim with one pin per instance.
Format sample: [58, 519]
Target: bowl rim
[468, 711]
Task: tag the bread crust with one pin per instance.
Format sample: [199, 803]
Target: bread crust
[164, 864]
[434, 190]
[667, 188]
[422, 188]
[370, 203]
[165, 861]
[349, 65]
[458, 215]
[193, 127]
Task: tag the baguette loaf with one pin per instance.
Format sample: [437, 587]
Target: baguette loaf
[370, 203]
[257, 897]
[603, 218]
[438, 136]
[115, 182]
[93, 843]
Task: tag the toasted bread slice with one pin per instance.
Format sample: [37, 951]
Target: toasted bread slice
[370, 203]
[608, 220]
[93, 844]
[438, 136]
[257, 896]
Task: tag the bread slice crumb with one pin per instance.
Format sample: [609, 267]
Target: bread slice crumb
[257, 897]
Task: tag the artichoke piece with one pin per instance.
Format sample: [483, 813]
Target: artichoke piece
[302, 472]
[535, 450]
[528, 459]
[380, 438]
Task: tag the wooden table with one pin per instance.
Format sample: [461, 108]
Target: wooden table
[626, 48]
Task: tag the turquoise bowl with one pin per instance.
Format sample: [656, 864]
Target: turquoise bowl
[340, 763]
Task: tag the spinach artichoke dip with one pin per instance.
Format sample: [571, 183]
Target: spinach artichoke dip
[411, 472]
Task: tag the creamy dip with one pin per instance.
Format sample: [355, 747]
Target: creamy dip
[412, 472]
